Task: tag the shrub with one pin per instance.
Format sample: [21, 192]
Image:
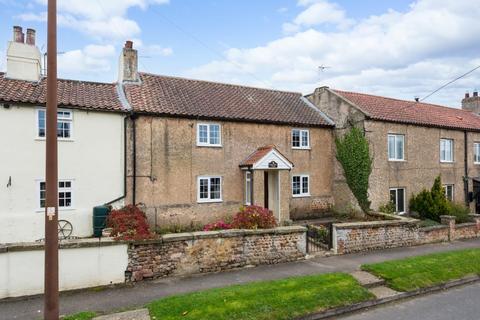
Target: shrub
[388, 208]
[459, 211]
[219, 225]
[431, 204]
[254, 217]
[129, 223]
[353, 153]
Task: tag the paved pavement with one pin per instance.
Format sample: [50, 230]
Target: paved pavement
[118, 298]
[459, 303]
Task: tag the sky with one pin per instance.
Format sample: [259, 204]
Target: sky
[399, 48]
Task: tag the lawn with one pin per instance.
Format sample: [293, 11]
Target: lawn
[425, 271]
[80, 316]
[280, 299]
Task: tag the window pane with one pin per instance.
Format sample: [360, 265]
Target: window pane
[305, 185]
[304, 138]
[248, 188]
[215, 188]
[399, 142]
[391, 147]
[393, 197]
[214, 134]
[296, 138]
[296, 185]
[41, 123]
[203, 133]
[203, 188]
[401, 200]
[476, 153]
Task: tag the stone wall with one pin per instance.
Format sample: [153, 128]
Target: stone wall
[365, 236]
[401, 232]
[433, 234]
[200, 252]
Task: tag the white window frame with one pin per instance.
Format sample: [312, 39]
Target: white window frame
[396, 197]
[445, 187]
[476, 153]
[452, 150]
[248, 188]
[302, 193]
[300, 133]
[64, 189]
[396, 137]
[208, 144]
[209, 199]
[60, 118]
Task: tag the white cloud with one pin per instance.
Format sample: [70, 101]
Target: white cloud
[93, 60]
[403, 53]
[318, 12]
[101, 19]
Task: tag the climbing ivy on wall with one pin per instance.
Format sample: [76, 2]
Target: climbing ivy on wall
[353, 153]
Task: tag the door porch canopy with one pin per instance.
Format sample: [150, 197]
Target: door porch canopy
[266, 158]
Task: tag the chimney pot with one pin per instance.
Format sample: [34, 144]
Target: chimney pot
[17, 34]
[129, 44]
[31, 37]
[467, 95]
[475, 93]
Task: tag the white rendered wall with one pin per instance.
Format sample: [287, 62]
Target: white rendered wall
[22, 272]
[93, 159]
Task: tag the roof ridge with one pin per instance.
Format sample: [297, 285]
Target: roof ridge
[402, 100]
[220, 83]
[2, 73]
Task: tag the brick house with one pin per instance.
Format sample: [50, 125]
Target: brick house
[411, 143]
[199, 150]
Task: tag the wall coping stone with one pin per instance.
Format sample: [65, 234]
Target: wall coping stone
[465, 225]
[375, 224]
[474, 215]
[432, 228]
[101, 242]
[64, 244]
[172, 237]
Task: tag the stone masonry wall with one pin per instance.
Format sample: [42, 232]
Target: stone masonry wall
[402, 232]
[201, 252]
[365, 236]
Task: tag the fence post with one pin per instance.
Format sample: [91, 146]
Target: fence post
[450, 222]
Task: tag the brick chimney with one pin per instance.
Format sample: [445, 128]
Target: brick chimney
[471, 103]
[128, 66]
[30, 37]
[23, 58]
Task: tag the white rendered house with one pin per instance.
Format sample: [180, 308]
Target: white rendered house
[91, 124]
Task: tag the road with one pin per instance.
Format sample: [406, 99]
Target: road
[462, 303]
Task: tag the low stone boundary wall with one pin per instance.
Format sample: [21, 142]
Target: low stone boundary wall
[200, 252]
[82, 264]
[401, 232]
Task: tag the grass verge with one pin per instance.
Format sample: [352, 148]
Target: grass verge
[425, 271]
[279, 299]
[81, 316]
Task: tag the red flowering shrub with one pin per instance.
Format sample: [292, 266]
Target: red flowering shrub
[129, 223]
[254, 217]
[219, 225]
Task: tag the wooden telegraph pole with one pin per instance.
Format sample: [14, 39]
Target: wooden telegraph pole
[51, 307]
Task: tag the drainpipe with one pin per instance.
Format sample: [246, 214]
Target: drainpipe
[465, 178]
[124, 164]
[133, 117]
